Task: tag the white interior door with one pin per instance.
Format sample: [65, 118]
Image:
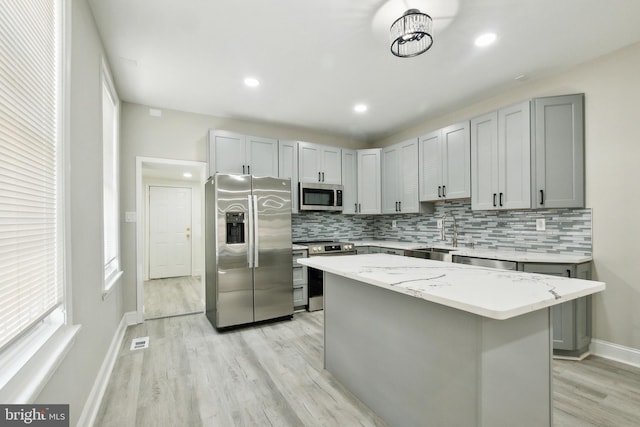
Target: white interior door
[169, 232]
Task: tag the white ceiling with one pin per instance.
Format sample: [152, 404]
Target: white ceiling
[317, 59]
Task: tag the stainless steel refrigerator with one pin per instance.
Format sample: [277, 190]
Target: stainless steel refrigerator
[249, 274]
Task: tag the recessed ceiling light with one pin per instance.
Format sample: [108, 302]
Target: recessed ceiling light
[187, 175]
[360, 108]
[251, 82]
[485, 39]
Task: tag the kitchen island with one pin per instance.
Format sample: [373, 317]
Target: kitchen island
[429, 343]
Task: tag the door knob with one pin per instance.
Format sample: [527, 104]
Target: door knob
[188, 228]
[188, 235]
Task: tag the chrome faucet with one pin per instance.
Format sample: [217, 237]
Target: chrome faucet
[455, 229]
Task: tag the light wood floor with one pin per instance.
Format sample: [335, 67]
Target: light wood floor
[172, 296]
[271, 375]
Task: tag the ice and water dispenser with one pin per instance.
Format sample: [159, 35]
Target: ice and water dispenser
[235, 227]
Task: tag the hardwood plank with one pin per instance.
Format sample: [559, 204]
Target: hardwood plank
[272, 375]
[172, 296]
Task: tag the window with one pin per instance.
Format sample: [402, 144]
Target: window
[110, 195]
[31, 196]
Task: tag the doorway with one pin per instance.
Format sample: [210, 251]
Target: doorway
[170, 241]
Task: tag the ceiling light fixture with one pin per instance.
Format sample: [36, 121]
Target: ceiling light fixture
[251, 82]
[187, 175]
[411, 34]
[485, 39]
[360, 108]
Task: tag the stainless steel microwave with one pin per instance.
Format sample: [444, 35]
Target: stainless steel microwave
[320, 197]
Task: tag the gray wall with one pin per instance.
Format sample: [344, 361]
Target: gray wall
[612, 91]
[99, 318]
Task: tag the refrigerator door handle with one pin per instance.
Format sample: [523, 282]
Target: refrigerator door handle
[256, 234]
[250, 231]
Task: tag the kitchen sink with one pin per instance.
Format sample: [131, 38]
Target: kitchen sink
[437, 254]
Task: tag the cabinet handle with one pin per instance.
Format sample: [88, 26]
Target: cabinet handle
[322, 176]
[542, 197]
[568, 273]
[359, 208]
[319, 177]
[355, 206]
[396, 206]
[439, 187]
[494, 200]
[444, 191]
[500, 199]
[242, 169]
[249, 169]
[399, 206]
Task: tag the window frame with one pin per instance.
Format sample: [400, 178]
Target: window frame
[113, 269]
[31, 359]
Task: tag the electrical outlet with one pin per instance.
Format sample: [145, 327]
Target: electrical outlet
[439, 224]
[540, 224]
[394, 223]
[129, 217]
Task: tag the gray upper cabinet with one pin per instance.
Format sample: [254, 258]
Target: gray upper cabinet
[501, 159]
[369, 182]
[349, 181]
[288, 168]
[319, 163]
[361, 181]
[400, 178]
[558, 152]
[230, 152]
[444, 164]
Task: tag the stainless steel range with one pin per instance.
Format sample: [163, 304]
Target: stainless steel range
[315, 277]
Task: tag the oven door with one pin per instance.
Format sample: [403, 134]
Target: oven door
[315, 283]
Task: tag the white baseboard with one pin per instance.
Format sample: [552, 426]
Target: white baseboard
[617, 352]
[92, 405]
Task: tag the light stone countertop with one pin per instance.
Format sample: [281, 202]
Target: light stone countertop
[488, 292]
[504, 255]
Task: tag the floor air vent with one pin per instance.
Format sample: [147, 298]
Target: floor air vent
[139, 343]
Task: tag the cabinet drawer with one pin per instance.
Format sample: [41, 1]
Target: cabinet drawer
[392, 251]
[298, 254]
[300, 296]
[299, 275]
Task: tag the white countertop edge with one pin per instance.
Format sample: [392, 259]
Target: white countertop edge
[474, 309]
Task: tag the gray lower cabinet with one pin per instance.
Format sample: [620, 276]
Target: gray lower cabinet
[571, 320]
[360, 250]
[300, 285]
[392, 251]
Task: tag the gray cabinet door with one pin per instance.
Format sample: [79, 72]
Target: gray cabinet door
[349, 181]
[430, 166]
[514, 157]
[456, 161]
[572, 319]
[288, 168]
[369, 182]
[484, 162]
[558, 144]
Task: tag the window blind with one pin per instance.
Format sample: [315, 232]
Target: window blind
[31, 273]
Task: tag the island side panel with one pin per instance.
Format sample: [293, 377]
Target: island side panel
[515, 371]
[411, 361]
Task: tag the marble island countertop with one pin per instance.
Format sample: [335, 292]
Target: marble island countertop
[504, 255]
[488, 292]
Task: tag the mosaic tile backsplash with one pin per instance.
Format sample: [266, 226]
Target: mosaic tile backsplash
[568, 231]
